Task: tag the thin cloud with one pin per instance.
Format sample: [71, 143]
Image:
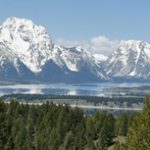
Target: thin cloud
[96, 45]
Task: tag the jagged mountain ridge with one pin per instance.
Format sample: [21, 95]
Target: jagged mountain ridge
[27, 54]
[26, 47]
[130, 61]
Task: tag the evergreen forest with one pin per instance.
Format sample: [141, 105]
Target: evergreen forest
[60, 127]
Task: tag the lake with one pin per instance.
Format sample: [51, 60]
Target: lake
[89, 89]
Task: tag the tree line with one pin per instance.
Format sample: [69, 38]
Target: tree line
[59, 127]
[89, 99]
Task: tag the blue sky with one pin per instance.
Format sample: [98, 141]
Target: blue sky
[84, 19]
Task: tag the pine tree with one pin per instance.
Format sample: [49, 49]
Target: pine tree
[20, 139]
[52, 140]
[69, 142]
[3, 129]
[107, 132]
[121, 125]
[139, 132]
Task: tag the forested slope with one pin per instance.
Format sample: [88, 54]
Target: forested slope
[57, 127]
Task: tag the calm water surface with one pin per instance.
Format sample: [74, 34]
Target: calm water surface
[91, 89]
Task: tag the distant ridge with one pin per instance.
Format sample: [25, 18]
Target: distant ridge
[27, 54]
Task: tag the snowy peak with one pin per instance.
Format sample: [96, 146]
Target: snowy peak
[68, 57]
[75, 59]
[27, 52]
[28, 47]
[129, 60]
[29, 42]
[100, 57]
[14, 28]
[133, 46]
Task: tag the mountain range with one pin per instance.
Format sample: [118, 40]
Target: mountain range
[28, 55]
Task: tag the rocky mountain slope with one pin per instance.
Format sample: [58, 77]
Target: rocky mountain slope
[27, 54]
[130, 61]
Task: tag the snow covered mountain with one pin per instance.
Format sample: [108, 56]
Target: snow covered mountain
[29, 42]
[100, 57]
[28, 54]
[131, 61]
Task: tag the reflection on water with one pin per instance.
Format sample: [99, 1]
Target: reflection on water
[93, 89]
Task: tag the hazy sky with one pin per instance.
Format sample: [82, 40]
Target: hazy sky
[84, 20]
